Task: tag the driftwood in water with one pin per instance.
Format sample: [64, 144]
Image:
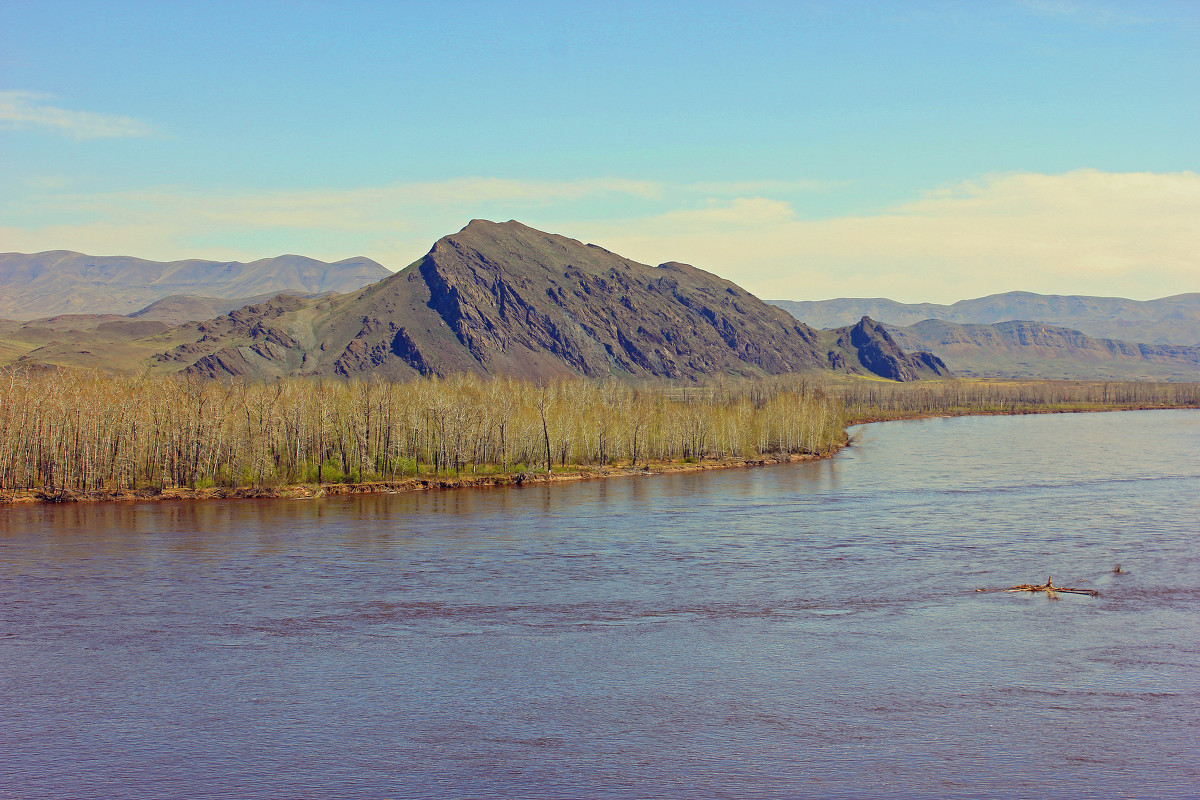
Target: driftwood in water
[1050, 589]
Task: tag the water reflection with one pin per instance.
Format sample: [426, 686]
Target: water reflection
[803, 630]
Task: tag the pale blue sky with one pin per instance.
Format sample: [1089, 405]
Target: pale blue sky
[924, 151]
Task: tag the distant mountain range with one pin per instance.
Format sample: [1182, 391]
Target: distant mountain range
[1027, 335]
[63, 282]
[503, 298]
[494, 298]
[1024, 349]
[1169, 320]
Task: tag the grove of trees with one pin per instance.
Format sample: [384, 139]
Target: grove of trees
[63, 430]
[74, 431]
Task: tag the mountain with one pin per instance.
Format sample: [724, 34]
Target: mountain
[1024, 349]
[1169, 320]
[503, 298]
[866, 348]
[62, 282]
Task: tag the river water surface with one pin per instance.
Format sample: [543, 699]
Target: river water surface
[806, 630]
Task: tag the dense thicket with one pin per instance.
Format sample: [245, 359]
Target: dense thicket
[63, 430]
[68, 430]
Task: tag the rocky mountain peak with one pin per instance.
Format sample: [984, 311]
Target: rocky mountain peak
[504, 298]
[878, 353]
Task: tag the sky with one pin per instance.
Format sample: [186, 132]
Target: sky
[926, 152]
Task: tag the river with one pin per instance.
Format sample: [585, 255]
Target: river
[802, 630]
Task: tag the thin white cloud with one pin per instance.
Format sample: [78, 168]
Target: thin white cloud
[19, 109]
[1082, 232]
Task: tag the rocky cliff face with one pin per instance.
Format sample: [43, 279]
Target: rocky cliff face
[503, 298]
[506, 290]
[249, 342]
[868, 348]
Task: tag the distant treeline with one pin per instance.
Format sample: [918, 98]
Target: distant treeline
[65, 430]
[875, 400]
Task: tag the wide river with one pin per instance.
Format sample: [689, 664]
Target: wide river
[806, 630]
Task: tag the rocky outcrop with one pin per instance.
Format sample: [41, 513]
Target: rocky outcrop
[251, 342]
[404, 347]
[868, 348]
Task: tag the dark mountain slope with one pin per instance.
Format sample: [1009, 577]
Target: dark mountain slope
[62, 282]
[503, 298]
[508, 291]
[867, 348]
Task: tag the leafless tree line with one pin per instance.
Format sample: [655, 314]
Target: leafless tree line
[87, 431]
[79, 431]
[871, 400]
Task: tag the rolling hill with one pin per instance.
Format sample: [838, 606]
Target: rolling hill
[63, 282]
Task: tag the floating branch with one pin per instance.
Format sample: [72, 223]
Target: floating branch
[1050, 589]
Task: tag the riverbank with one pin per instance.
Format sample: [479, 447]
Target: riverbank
[856, 413]
[1016, 412]
[874, 401]
[414, 484]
